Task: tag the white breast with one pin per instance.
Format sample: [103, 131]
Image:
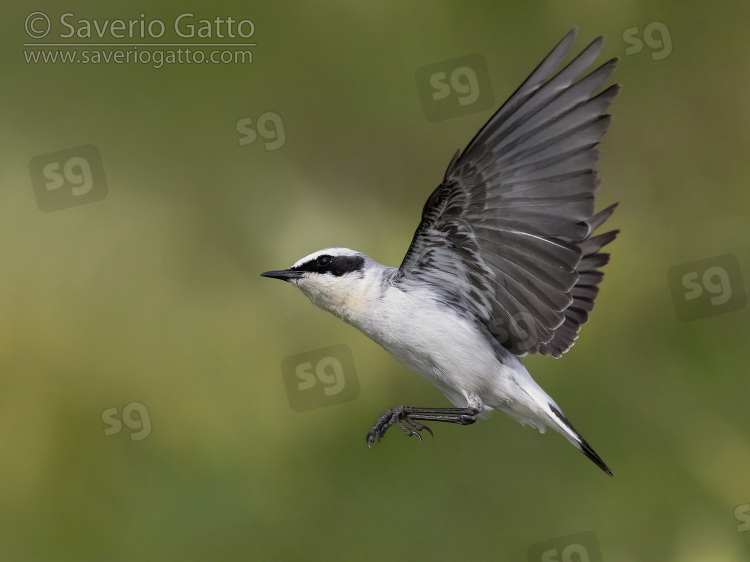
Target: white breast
[433, 340]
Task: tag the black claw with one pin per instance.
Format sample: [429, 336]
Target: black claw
[402, 418]
[406, 417]
[408, 430]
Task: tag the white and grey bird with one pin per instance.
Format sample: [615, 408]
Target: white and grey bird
[504, 261]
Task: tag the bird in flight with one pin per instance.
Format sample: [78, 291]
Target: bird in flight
[503, 263]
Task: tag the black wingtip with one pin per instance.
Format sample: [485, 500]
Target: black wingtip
[596, 243]
[598, 41]
[599, 218]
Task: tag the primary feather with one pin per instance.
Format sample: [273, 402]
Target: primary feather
[509, 230]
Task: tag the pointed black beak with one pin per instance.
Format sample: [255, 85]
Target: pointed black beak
[284, 274]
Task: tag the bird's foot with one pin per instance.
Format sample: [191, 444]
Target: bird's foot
[398, 416]
[406, 417]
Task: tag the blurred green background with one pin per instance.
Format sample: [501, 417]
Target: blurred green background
[152, 296]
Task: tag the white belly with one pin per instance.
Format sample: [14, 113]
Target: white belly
[438, 344]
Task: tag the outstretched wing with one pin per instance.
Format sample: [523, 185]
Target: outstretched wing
[509, 230]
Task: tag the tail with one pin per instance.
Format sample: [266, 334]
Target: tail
[567, 429]
[530, 405]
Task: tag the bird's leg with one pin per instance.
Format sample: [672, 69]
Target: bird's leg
[407, 419]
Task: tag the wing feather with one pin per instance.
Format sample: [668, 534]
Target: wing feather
[509, 231]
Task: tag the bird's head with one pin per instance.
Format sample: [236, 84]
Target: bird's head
[334, 279]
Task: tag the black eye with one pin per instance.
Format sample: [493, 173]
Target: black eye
[324, 260]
